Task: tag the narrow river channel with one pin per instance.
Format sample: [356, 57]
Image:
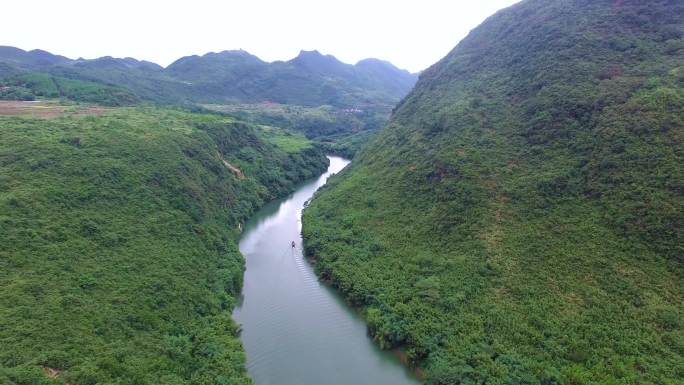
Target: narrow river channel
[295, 329]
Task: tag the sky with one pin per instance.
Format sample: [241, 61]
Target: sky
[411, 34]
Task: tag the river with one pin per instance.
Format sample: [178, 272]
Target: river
[295, 329]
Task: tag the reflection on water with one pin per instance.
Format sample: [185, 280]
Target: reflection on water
[296, 330]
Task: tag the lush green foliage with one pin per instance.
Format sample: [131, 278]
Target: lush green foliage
[338, 131]
[315, 94]
[314, 122]
[118, 254]
[345, 145]
[519, 221]
[287, 140]
[311, 79]
[40, 85]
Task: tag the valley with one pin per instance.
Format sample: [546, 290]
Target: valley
[512, 214]
[119, 242]
[313, 93]
[295, 329]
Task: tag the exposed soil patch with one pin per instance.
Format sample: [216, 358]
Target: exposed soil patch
[234, 169]
[403, 357]
[46, 109]
[50, 373]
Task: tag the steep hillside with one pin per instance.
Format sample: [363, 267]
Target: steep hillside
[519, 220]
[118, 243]
[389, 77]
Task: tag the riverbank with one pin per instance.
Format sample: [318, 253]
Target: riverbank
[119, 258]
[297, 330]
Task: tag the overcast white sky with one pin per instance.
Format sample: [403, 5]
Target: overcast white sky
[410, 34]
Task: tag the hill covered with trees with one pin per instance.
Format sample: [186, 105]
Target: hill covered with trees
[519, 220]
[311, 79]
[314, 94]
[119, 261]
[37, 85]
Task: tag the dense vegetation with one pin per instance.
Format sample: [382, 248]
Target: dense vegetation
[34, 86]
[314, 122]
[118, 254]
[519, 220]
[345, 145]
[311, 79]
[315, 94]
[338, 131]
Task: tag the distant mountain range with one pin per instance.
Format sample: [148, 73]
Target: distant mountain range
[310, 79]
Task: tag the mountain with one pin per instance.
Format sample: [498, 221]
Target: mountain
[316, 63]
[387, 75]
[119, 242]
[28, 86]
[35, 59]
[222, 66]
[519, 219]
[311, 79]
[144, 80]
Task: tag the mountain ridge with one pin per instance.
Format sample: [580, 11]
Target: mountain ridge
[231, 76]
[8, 48]
[519, 219]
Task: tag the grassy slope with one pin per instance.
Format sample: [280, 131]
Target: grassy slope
[288, 141]
[118, 254]
[40, 85]
[520, 218]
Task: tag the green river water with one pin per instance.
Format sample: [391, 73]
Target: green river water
[295, 329]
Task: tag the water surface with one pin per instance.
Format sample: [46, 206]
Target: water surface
[296, 330]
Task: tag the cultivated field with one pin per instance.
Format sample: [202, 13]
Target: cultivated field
[46, 109]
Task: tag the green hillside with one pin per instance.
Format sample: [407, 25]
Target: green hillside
[32, 86]
[340, 131]
[314, 94]
[118, 243]
[311, 79]
[519, 220]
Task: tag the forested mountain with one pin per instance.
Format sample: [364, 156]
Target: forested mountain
[519, 220]
[119, 261]
[35, 59]
[311, 79]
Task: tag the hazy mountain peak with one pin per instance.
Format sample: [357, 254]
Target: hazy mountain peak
[311, 53]
[315, 57]
[317, 62]
[310, 79]
[234, 53]
[6, 49]
[379, 64]
[36, 57]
